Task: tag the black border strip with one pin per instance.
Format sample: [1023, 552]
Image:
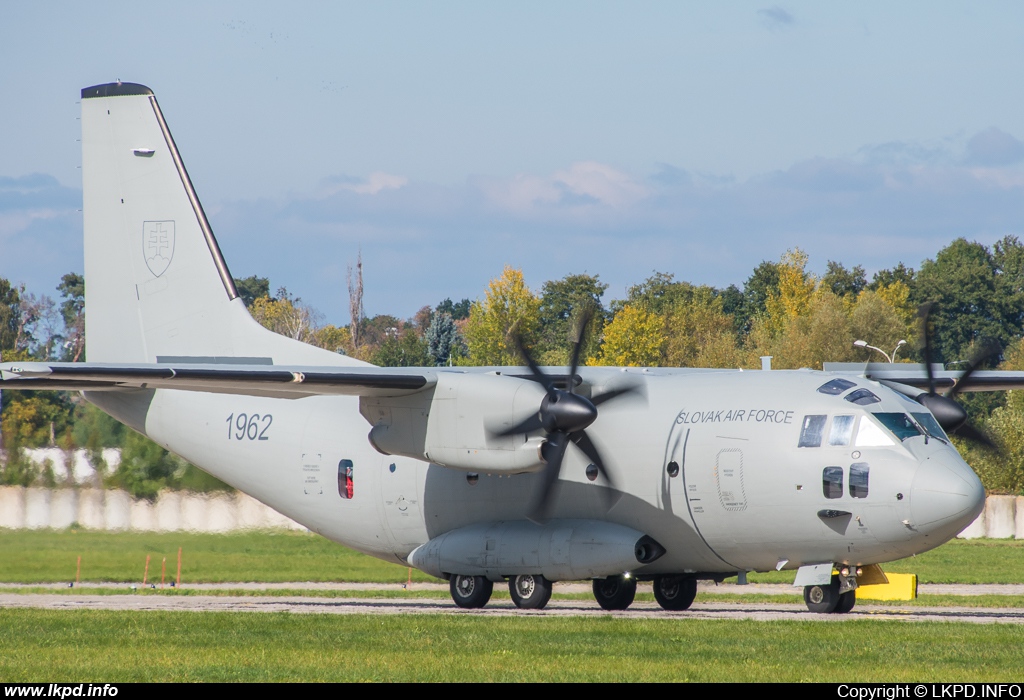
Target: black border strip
[197, 207]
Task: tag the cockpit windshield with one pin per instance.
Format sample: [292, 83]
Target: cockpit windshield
[899, 424]
[928, 422]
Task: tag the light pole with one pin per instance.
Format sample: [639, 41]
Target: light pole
[889, 358]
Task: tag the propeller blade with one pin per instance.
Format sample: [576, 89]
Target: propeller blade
[969, 432]
[988, 349]
[604, 396]
[582, 441]
[553, 451]
[949, 414]
[577, 347]
[544, 379]
[527, 426]
[923, 312]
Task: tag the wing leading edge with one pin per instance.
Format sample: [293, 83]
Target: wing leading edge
[915, 375]
[254, 380]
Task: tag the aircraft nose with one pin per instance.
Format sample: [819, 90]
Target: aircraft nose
[945, 496]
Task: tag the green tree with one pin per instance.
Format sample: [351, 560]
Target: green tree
[972, 301]
[72, 310]
[701, 334]
[509, 308]
[252, 288]
[403, 348]
[457, 310]
[659, 293]
[561, 304]
[885, 278]
[10, 315]
[843, 282]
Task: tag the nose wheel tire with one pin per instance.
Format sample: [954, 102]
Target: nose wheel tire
[675, 592]
[529, 591]
[470, 591]
[846, 602]
[823, 599]
[615, 592]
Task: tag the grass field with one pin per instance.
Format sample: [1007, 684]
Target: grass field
[210, 646]
[44, 556]
[112, 646]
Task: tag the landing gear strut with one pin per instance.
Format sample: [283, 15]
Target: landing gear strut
[615, 592]
[470, 591]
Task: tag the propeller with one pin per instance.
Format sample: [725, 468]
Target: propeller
[564, 416]
[947, 411]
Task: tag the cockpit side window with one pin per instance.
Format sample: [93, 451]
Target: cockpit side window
[812, 430]
[841, 431]
[832, 482]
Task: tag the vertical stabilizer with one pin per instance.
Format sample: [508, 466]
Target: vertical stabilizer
[157, 286]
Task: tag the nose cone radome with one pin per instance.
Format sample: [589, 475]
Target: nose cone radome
[946, 496]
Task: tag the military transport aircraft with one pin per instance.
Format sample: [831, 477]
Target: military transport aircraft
[486, 474]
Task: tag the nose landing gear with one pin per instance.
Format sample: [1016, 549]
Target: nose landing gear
[828, 599]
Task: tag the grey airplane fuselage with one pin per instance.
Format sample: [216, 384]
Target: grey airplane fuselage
[709, 464]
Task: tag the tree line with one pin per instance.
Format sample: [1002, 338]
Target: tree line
[782, 310]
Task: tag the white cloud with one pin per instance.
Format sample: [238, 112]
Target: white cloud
[376, 182]
[583, 185]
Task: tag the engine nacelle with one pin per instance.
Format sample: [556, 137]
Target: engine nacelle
[561, 550]
[453, 423]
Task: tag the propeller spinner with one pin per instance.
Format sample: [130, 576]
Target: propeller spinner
[564, 416]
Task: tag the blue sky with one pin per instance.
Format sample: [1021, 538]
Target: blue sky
[448, 139]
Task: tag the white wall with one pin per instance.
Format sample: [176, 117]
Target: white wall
[109, 509]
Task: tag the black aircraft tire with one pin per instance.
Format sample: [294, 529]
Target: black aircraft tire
[822, 599]
[846, 602]
[470, 591]
[615, 592]
[529, 591]
[675, 592]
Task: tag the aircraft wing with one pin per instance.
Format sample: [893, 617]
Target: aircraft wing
[915, 375]
[252, 380]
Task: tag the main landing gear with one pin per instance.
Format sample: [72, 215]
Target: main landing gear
[470, 591]
[615, 592]
[675, 592]
[828, 599]
[529, 591]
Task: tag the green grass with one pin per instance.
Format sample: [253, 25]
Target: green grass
[158, 646]
[48, 556]
[45, 556]
[957, 561]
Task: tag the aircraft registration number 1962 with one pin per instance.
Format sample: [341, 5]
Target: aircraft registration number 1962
[249, 426]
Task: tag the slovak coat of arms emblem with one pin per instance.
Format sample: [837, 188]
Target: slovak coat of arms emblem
[158, 245]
